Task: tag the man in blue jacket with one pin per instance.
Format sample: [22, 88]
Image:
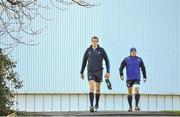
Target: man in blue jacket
[133, 64]
[95, 55]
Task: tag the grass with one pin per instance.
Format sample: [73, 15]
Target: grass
[16, 113]
[177, 112]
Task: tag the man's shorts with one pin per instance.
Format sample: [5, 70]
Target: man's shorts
[96, 76]
[130, 83]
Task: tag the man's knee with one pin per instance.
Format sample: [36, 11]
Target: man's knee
[129, 90]
[91, 86]
[98, 88]
[136, 88]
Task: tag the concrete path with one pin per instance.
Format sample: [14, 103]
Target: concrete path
[103, 113]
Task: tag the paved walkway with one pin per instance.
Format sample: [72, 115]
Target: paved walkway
[103, 113]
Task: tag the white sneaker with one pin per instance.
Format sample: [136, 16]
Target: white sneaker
[96, 108]
[137, 108]
[91, 109]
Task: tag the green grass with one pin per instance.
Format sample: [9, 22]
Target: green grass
[23, 114]
[17, 113]
[177, 112]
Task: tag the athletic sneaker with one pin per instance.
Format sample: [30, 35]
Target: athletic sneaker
[96, 108]
[137, 108]
[108, 84]
[91, 109]
[130, 109]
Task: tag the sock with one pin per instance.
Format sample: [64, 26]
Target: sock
[137, 96]
[97, 99]
[91, 97]
[130, 100]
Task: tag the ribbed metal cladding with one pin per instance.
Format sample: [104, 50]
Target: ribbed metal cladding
[152, 26]
[79, 102]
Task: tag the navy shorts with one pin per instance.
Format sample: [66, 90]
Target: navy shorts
[96, 76]
[130, 83]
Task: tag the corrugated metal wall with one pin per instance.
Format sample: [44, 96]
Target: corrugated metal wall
[80, 102]
[50, 71]
[149, 25]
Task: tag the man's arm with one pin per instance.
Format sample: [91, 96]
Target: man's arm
[143, 69]
[105, 57]
[84, 61]
[123, 64]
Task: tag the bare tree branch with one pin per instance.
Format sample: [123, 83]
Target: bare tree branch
[16, 18]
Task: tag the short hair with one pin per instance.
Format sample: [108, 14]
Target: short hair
[95, 37]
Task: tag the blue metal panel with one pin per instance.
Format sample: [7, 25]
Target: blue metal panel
[39, 103]
[108, 102]
[149, 25]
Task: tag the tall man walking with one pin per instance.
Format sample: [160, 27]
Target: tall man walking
[95, 55]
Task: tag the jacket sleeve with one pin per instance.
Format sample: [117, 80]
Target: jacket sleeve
[143, 69]
[105, 57]
[123, 64]
[84, 62]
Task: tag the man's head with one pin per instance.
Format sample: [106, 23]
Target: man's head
[133, 51]
[95, 41]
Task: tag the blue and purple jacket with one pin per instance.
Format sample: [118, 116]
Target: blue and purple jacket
[133, 65]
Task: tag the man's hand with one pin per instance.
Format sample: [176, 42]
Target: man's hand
[82, 76]
[122, 78]
[107, 75]
[145, 79]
